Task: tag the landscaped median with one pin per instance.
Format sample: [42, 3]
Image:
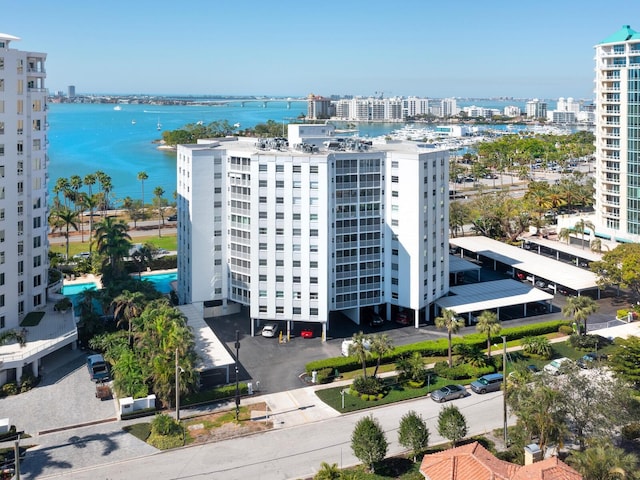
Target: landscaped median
[428, 356]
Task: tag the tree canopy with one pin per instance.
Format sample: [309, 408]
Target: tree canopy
[620, 266]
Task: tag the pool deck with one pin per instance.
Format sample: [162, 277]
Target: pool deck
[89, 278]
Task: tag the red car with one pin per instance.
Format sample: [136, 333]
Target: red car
[403, 318]
[306, 333]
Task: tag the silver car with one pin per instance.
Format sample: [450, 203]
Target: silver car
[449, 392]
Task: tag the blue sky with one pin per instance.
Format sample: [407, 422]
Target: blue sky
[464, 48]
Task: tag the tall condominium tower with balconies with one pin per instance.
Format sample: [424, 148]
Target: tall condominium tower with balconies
[23, 210]
[316, 230]
[617, 123]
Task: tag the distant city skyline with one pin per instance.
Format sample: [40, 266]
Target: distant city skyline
[464, 49]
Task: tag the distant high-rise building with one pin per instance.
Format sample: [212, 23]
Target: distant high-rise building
[536, 108]
[319, 107]
[71, 89]
[617, 132]
[448, 107]
[24, 262]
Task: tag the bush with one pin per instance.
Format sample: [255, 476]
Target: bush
[325, 375]
[165, 425]
[368, 385]
[631, 431]
[10, 388]
[565, 330]
[27, 382]
[587, 342]
[461, 371]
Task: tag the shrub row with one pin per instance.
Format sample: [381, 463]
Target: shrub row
[219, 393]
[438, 348]
[461, 371]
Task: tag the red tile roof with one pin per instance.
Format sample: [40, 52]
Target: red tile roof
[474, 462]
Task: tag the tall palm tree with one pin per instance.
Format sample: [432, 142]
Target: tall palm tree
[360, 348]
[61, 186]
[67, 218]
[580, 227]
[90, 180]
[381, 344]
[113, 241]
[142, 176]
[565, 235]
[127, 306]
[489, 325]
[448, 321]
[580, 308]
[159, 202]
[90, 202]
[105, 185]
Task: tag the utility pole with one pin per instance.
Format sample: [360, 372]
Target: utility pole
[237, 345]
[177, 388]
[504, 391]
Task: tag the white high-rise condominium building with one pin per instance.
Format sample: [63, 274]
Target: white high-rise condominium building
[23, 207]
[317, 226]
[536, 109]
[617, 132]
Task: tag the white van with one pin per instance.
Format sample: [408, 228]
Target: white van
[346, 345]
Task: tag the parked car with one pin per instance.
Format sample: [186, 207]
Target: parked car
[588, 360]
[270, 330]
[372, 318]
[172, 218]
[346, 346]
[557, 366]
[82, 255]
[98, 368]
[449, 392]
[402, 318]
[487, 383]
[306, 333]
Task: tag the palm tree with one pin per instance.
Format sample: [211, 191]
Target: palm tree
[127, 306]
[143, 257]
[113, 241]
[381, 344]
[581, 225]
[580, 308]
[565, 234]
[105, 185]
[489, 325]
[61, 186]
[452, 324]
[90, 202]
[65, 217]
[603, 461]
[159, 203]
[328, 472]
[142, 176]
[360, 349]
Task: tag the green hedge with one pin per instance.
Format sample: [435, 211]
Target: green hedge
[437, 348]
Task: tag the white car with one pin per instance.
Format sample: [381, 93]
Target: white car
[270, 330]
[557, 365]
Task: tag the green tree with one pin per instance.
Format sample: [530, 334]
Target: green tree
[135, 210]
[90, 202]
[536, 346]
[581, 225]
[604, 461]
[459, 216]
[625, 359]
[113, 242]
[381, 344]
[106, 186]
[368, 442]
[413, 433]
[471, 354]
[620, 266]
[128, 378]
[142, 176]
[447, 320]
[489, 325]
[580, 308]
[452, 424]
[360, 349]
[127, 306]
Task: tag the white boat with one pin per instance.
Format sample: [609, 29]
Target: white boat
[117, 108]
[159, 125]
[133, 122]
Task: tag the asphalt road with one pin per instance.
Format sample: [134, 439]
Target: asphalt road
[295, 452]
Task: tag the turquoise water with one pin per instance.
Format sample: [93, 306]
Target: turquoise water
[84, 138]
[162, 281]
[77, 288]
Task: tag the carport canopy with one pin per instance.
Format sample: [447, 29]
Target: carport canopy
[477, 297]
[539, 266]
[457, 265]
[572, 250]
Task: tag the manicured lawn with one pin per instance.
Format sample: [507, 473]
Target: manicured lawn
[167, 241]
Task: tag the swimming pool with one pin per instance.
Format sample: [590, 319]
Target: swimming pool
[162, 281]
[76, 288]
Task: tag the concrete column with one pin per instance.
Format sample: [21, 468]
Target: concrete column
[35, 368]
[18, 374]
[324, 331]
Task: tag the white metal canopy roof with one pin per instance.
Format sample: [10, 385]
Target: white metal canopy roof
[457, 264]
[476, 297]
[540, 266]
[585, 253]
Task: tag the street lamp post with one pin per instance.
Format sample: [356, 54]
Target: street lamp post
[179, 370]
[504, 392]
[237, 345]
